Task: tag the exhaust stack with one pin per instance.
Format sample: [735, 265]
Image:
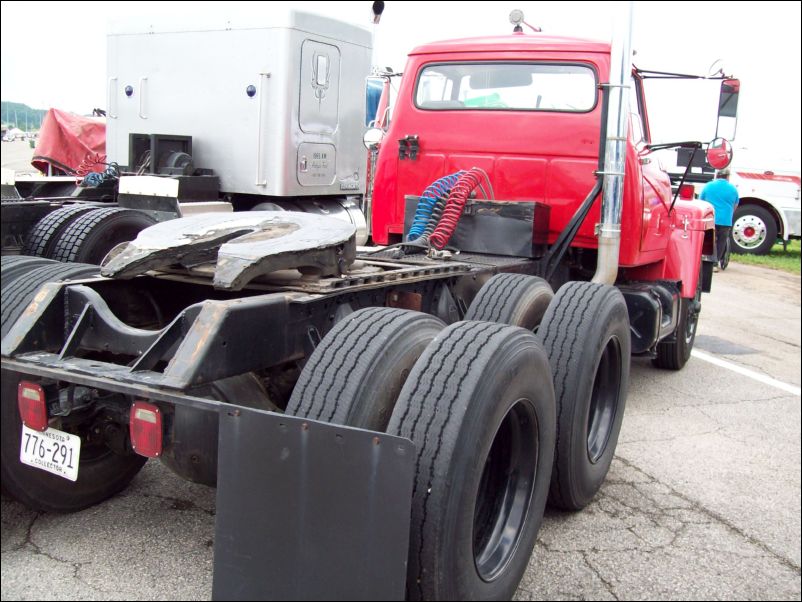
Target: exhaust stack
[615, 151]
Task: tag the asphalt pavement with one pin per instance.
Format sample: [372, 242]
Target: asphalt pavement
[17, 155]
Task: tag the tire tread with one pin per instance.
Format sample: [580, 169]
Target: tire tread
[45, 233]
[563, 334]
[19, 293]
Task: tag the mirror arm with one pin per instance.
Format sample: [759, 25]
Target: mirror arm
[684, 175]
[686, 144]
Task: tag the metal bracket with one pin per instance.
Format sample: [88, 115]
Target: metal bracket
[408, 146]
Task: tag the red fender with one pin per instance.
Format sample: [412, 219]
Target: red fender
[692, 237]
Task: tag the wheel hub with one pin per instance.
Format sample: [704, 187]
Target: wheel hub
[604, 400]
[505, 491]
[749, 231]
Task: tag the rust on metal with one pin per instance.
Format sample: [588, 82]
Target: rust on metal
[404, 300]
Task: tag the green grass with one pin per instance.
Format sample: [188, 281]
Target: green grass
[776, 259]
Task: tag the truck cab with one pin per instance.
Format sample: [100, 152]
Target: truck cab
[528, 110]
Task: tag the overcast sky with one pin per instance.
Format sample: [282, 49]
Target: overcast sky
[54, 53]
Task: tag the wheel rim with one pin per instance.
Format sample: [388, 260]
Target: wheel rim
[604, 399]
[505, 490]
[749, 231]
[690, 323]
[694, 308]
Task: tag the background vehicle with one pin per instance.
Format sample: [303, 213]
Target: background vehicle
[769, 210]
[153, 129]
[425, 397]
[769, 207]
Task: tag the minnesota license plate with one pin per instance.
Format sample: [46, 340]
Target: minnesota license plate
[55, 451]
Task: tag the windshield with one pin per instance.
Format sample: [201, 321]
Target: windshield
[511, 86]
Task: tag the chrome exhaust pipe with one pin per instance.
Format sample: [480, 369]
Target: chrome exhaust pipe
[609, 230]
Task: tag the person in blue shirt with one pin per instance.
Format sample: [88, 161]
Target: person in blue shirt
[724, 198]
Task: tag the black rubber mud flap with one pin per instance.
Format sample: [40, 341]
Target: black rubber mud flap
[310, 511]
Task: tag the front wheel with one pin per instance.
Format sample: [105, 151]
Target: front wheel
[754, 230]
[675, 353]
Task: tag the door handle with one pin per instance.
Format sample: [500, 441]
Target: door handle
[142, 82]
[261, 141]
[112, 98]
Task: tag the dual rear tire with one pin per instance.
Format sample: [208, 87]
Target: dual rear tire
[502, 419]
[84, 233]
[584, 330]
[477, 400]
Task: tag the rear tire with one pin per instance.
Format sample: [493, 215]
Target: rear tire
[514, 299]
[14, 266]
[42, 238]
[355, 374]
[479, 406]
[586, 334]
[100, 476]
[92, 235]
[18, 294]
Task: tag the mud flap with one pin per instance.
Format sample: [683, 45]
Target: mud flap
[309, 511]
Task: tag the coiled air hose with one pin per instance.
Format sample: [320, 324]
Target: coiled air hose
[428, 202]
[457, 198]
[94, 179]
[86, 174]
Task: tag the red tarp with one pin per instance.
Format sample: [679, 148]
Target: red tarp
[66, 139]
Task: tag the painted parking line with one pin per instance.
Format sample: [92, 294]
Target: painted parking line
[767, 380]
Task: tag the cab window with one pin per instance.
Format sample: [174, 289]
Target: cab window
[507, 86]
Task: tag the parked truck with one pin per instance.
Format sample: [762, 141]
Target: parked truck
[381, 421]
[769, 208]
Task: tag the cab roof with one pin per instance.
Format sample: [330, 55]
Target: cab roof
[513, 42]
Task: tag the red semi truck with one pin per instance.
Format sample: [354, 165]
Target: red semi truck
[403, 411]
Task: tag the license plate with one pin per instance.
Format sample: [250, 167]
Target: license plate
[55, 451]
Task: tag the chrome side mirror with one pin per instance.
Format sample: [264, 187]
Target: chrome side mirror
[373, 137]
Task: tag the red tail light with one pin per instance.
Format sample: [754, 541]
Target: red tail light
[146, 429]
[32, 405]
[686, 192]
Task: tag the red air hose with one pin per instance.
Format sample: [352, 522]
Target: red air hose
[454, 206]
[91, 162]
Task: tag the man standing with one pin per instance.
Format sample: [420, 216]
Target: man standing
[724, 198]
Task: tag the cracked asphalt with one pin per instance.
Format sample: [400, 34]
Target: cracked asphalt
[702, 500]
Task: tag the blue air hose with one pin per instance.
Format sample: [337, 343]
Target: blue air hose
[428, 202]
